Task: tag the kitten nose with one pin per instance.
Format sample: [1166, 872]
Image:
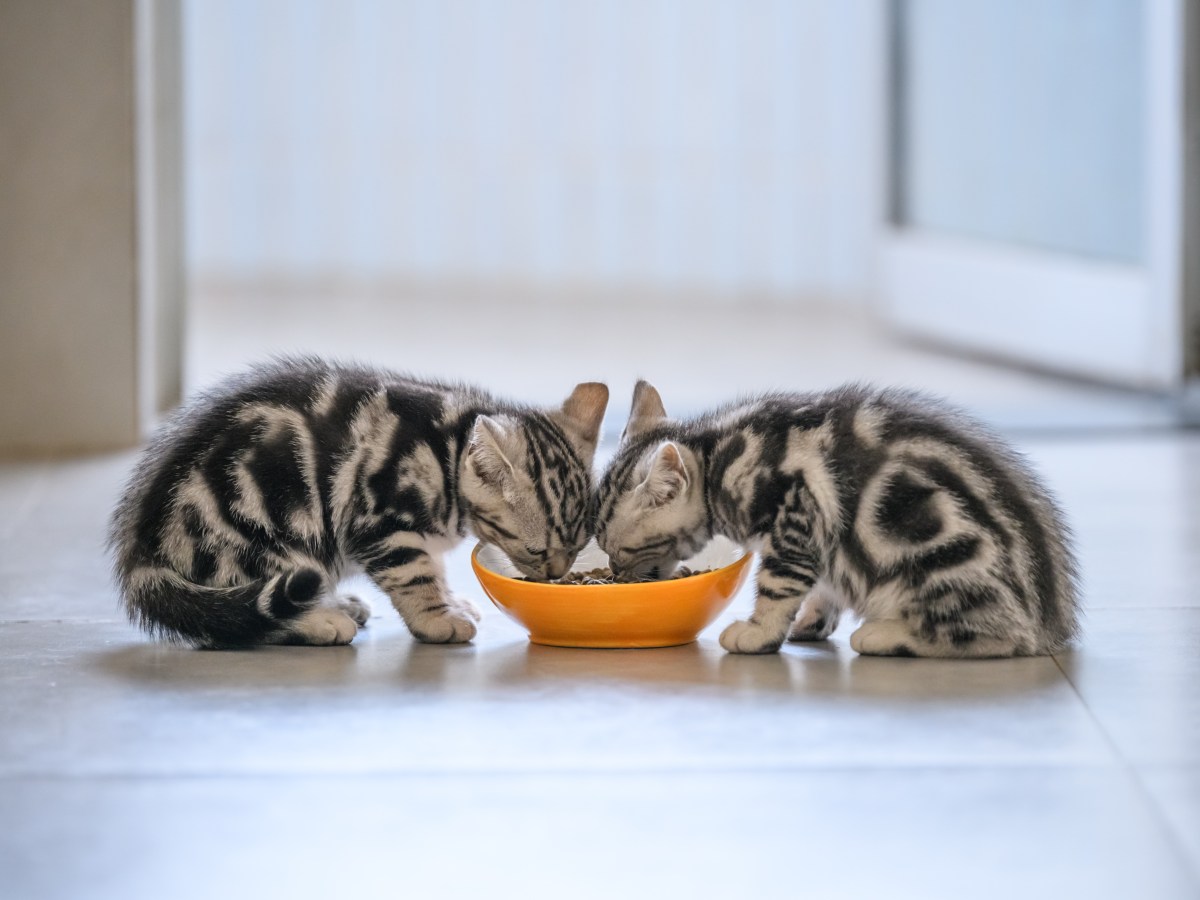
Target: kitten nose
[557, 567]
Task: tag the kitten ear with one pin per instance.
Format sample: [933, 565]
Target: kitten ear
[582, 414]
[486, 452]
[668, 476]
[646, 412]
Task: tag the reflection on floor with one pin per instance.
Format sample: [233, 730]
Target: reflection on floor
[502, 769]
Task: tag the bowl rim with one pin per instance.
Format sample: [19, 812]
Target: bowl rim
[631, 585]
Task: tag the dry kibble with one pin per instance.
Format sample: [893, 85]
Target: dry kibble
[604, 575]
[593, 576]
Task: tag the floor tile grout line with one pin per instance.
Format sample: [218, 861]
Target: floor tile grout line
[1131, 770]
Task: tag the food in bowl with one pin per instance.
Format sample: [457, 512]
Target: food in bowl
[604, 575]
[639, 614]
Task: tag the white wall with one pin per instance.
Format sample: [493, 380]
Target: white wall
[727, 145]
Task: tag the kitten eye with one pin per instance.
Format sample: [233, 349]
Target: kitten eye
[534, 551]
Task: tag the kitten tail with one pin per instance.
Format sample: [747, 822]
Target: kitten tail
[170, 607]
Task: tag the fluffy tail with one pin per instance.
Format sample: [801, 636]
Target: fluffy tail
[168, 606]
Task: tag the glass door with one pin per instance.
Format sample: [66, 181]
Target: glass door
[1036, 188]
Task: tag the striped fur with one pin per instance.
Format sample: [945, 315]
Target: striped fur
[254, 501]
[927, 525]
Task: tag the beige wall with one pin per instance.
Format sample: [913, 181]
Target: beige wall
[75, 284]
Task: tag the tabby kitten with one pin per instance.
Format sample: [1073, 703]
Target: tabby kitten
[932, 530]
[250, 505]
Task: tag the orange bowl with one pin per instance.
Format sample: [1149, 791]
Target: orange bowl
[646, 614]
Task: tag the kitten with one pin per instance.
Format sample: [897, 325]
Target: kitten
[250, 505]
[936, 534]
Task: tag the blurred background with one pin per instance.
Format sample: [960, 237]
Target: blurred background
[722, 196]
[987, 199]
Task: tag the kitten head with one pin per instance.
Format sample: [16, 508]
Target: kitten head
[651, 510]
[527, 481]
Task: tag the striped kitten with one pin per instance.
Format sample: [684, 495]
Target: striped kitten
[925, 524]
[248, 507]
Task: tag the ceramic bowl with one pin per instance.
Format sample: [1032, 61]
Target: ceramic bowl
[646, 614]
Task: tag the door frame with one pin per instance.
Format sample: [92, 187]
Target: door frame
[1090, 318]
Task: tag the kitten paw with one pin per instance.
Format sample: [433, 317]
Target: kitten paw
[466, 607]
[451, 625]
[884, 638]
[750, 637]
[819, 614]
[322, 627]
[355, 607]
[812, 628]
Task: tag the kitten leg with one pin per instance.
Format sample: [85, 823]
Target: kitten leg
[414, 581]
[355, 607]
[320, 627]
[819, 614]
[890, 637]
[783, 583]
[886, 637]
[466, 607]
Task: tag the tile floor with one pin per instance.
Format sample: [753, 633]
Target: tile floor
[501, 769]
[527, 344]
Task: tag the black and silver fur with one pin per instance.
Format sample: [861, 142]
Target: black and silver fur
[251, 504]
[926, 524]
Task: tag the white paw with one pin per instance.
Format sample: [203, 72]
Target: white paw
[750, 637]
[802, 633]
[448, 626]
[466, 607]
[322, 627]
[884, 638]
[813, 625]
[819, 614]
[355, 607]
